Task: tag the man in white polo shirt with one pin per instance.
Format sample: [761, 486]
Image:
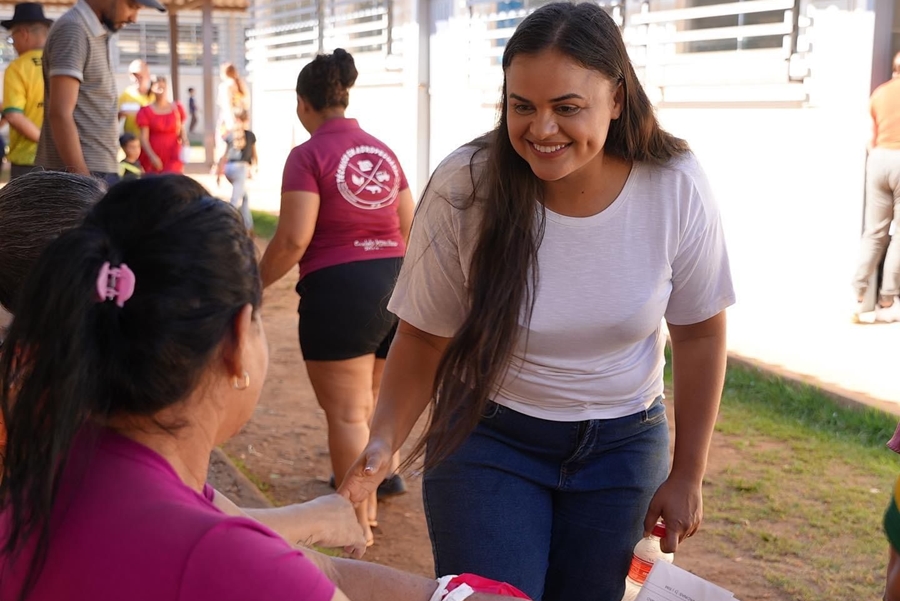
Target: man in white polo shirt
[81, 130]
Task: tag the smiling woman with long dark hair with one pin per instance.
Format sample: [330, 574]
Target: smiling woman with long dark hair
[543, 259]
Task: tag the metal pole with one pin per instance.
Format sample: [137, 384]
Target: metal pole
[209, 92]
[423, 18]
[389, 28]
[174, 60]
[320, 8]
[795, 26]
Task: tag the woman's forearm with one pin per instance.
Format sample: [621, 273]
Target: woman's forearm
[67, 142]
[407, 384]
[278, 259]
[296, 229]
[698, 368]
[278, 520]
[365, 581]
[146, 148]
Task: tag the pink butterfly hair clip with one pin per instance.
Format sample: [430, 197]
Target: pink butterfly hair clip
[115, 283]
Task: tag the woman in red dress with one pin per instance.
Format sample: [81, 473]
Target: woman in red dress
[162, 131]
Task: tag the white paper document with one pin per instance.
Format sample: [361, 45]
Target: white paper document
[667, 582]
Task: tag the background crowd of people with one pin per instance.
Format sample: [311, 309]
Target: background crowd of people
[63, 72]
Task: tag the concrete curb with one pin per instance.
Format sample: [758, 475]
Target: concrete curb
[225, 477]
[843, 396]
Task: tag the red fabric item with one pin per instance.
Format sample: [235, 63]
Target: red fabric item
[480, 584]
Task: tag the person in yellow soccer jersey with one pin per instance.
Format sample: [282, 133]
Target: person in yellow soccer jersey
[23, 85]
[135, 97]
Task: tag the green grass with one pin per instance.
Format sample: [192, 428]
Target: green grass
[804, 487]
[262, 485]
[805, 407]
[264, 224]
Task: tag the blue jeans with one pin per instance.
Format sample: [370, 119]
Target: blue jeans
[554, 508]
[236, 173]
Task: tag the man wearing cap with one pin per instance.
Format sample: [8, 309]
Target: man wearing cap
[23, 85]
[81, 130]
[135, 96]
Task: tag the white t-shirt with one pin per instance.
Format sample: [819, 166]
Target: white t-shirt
[594, 346]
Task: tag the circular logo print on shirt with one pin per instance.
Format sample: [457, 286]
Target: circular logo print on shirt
[368, 178]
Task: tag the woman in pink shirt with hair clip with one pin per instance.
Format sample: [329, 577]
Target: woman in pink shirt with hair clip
[143, 350]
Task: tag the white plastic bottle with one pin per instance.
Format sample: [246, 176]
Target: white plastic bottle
[646, 553]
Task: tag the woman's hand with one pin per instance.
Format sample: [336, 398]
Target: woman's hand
[156, 162]
[679, 503]
[329, 521]
[367, 472]
[698, 368]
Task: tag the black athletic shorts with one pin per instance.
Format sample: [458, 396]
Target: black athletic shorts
[343, 310]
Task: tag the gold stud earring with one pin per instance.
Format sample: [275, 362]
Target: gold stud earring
[236, 383]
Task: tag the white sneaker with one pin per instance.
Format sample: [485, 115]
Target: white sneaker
[888, 314]
[860, 315]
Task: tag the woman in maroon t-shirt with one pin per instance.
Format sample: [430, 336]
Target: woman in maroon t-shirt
[346, 210]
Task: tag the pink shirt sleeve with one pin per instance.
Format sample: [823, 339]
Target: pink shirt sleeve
[238, 560]
[300, 171]
[209, 493]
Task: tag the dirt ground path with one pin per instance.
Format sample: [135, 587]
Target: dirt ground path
[284, 448]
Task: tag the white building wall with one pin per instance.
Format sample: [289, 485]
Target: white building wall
[790, 183]
[788, 175]
[384, 100]
[464, 93]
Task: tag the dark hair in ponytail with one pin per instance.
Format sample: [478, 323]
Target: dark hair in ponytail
[326, 81]
[71, 360]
